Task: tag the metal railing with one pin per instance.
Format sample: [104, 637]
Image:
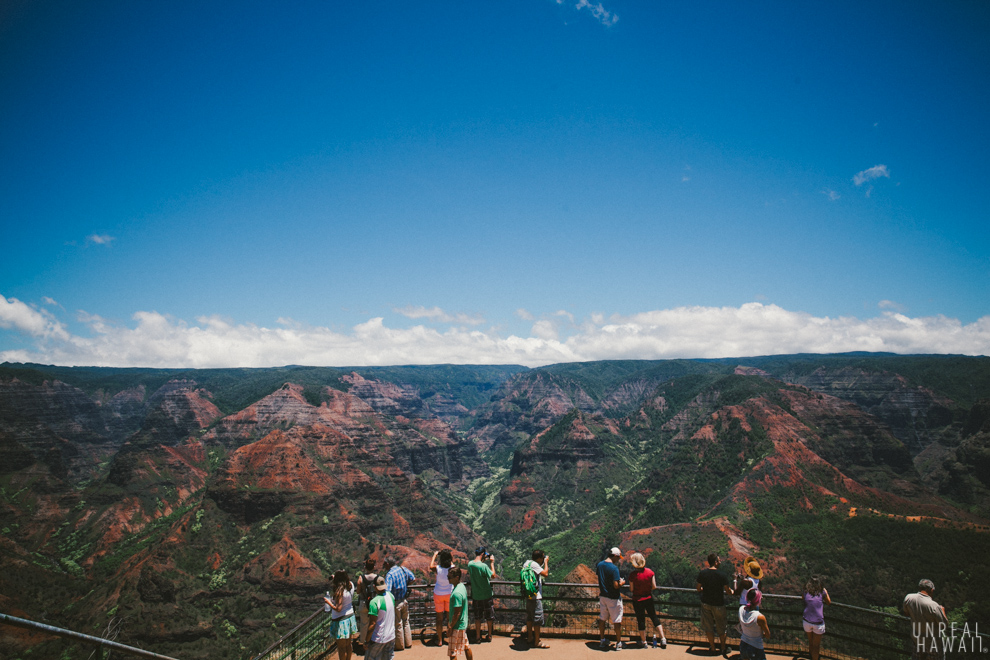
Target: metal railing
[571, 610]
[309, 640]
[100, 643]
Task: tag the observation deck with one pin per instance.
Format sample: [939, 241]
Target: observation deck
[571, 627]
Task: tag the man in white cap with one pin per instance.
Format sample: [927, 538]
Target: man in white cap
[609, 597]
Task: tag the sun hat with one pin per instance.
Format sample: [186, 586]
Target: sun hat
[752, 568]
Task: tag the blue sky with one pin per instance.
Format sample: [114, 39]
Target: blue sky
[531, 181]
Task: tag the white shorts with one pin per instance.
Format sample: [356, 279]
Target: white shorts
[817, 628]
[610, 609]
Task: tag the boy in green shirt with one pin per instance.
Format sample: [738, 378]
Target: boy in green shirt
[458, 619]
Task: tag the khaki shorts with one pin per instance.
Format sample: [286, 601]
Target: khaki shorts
[610, 609]
[534, 611]
[713, 618]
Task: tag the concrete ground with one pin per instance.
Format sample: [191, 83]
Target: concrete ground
[504, 647]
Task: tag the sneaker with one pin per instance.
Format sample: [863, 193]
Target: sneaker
[618, 646]
[663, 643]
[603, 645]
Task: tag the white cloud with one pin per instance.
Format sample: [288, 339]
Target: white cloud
[438, 315]
[49, 301]
[875, 172]
[157, 340]
[16, 315]
[604, 16]
[831, 194]
[546, 330]
[100, 239]
[524, 314]
[890, 304]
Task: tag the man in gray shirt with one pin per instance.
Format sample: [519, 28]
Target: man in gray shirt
[928, 622]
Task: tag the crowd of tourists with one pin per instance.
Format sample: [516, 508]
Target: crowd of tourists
[375, 610]
[381, 624]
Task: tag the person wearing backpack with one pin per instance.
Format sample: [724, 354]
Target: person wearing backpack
[531, 576]
[366, 591]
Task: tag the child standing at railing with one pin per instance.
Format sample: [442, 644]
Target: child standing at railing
[753, 626]
[458, 621]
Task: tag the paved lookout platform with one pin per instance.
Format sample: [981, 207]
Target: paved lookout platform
[505, 647]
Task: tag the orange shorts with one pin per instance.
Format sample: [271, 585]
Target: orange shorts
[441, 603]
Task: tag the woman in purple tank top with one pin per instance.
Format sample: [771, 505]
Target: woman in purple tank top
[815, 599]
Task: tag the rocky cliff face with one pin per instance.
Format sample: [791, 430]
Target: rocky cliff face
[386, 398]
[960, 469]
[165, 457]
[629, 395]
[53, 425]
[915, 415]
[562, 473]
[284, 569]
[414, 445]
[124, 411]
[525, 405]
[854, 442]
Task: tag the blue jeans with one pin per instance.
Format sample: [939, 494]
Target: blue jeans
[750, 652]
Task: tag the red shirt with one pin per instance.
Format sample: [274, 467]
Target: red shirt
[642, 583]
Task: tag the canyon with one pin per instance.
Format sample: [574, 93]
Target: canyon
[203, 511]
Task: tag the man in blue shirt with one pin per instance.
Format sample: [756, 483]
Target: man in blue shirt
[609, 598]
[397, 580]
